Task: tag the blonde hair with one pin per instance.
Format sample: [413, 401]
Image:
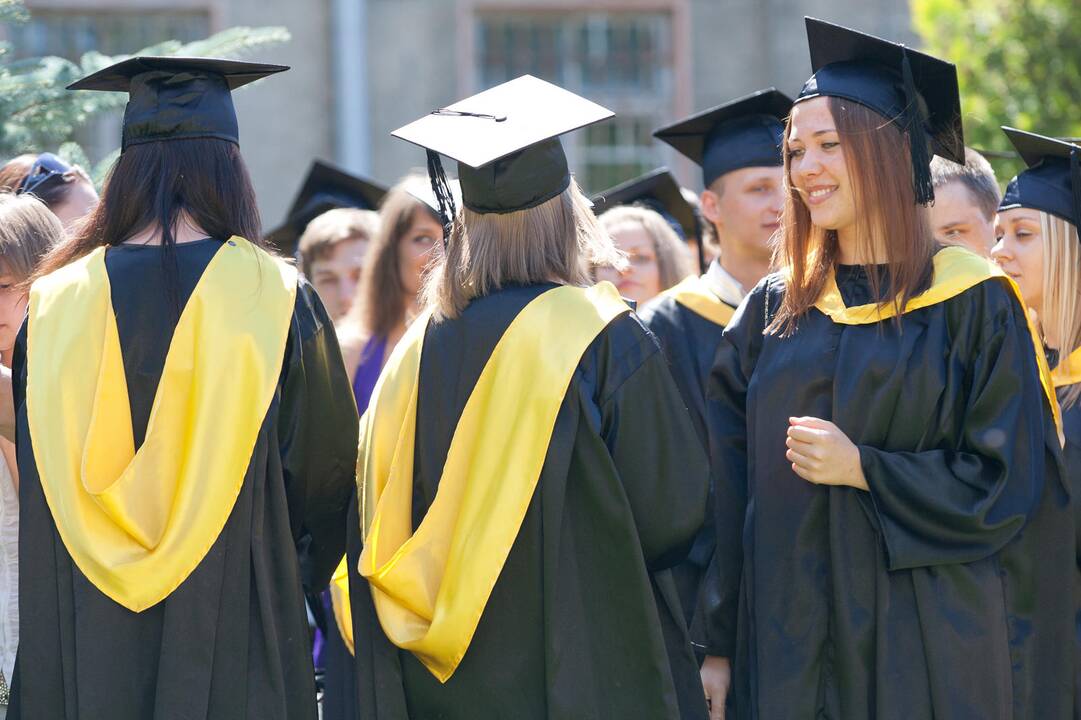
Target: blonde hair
[325, 231]
[1061, 311]
[28, 230]
[556, 241]
[674, 262]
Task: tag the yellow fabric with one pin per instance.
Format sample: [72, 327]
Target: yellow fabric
[339, 602]
[693, 294]
[1068, 371]
[955, 270]
[137, 523]
[430, 587]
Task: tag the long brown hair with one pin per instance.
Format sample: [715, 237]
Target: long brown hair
[381, 302]
[880, 169]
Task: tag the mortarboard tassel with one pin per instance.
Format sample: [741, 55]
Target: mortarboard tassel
[1075, 182]
[443, 195]
[918, 144]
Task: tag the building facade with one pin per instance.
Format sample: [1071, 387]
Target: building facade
[361, 68]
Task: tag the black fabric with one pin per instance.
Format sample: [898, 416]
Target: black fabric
[658, 191]
[928, 596]
[1047, 186]
[1071, 427]
[690, 343]
[575, 628]
[519, 181]
[232, 641]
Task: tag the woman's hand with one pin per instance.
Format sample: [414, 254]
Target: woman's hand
[822, 454]
[716, 679]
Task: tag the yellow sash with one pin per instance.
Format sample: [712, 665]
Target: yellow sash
[430, 587]
[1068, 371]
[137, 523]
[955, 270]
[339, 603]
[693, 294]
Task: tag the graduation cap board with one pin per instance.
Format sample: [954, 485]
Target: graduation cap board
[745, 132]
[506, 143]
[658, 191]
[1052, 182]
[326, 187]
[914, 90]
[175, 98]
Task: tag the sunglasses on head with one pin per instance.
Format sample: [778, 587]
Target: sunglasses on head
[46, 167]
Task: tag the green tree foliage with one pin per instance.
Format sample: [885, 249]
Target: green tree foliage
[1018, 63]
[37, 113]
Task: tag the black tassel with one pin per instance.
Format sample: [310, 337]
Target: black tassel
[443, 195]
[1075, 182]
[918, 142]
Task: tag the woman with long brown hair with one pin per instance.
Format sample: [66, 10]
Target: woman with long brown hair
[180, 433]
[893, 533]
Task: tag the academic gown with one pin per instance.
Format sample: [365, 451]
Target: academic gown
[928, 596]
[1071, 427]
[572, 629]
[232, 641]
[689, 342]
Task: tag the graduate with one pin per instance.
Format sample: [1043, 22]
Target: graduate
[544, 463]
[884, 436]
[738, 147]
[1038, 245]
[181, 435]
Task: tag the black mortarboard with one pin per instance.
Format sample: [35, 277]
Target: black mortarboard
[916, 91]
[506, 142]
[658, 191]
[325, 188]
[745, 132]
[173, 98]
[1052, 182]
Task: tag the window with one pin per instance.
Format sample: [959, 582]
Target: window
[623, 60]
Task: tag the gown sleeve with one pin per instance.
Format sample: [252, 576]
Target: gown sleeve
[658, 455]
[965, 502]
[318, 432]
[714, 625]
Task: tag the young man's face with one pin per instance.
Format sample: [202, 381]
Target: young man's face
[745, 207]
[956, 219]
[336, 276]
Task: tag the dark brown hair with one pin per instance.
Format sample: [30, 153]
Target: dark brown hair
[381, 301]
[155, 185]
[880, 171]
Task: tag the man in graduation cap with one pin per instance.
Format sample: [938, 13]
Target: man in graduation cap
[526, 462]
[329, 226]
[182, 435]
[738, 147]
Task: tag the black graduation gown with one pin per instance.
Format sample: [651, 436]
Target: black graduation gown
[689, 342]
[928, 596]
[572, 628]
[1071, 426]
[232, 641]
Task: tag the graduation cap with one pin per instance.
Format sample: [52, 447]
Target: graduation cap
[421, 189]
[506, 142]
[1052, 182]
[914, 90]
[658, 191]
[174, 98]
[745, 132]
[325, 188]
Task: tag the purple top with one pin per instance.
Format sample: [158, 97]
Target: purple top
[371, 363]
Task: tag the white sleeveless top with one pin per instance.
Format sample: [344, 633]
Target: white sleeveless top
[9, 572]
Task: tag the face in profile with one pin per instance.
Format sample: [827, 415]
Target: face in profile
[336, 276]
[1019, 251]
[415, 249]
[640, 281]
[12, 309]
[817, 165]
[957, 219]
[745, 206]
